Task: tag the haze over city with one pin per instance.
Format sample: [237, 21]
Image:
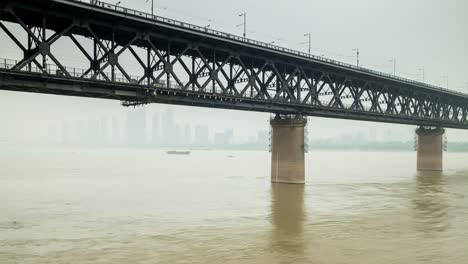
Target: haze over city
[341, 137]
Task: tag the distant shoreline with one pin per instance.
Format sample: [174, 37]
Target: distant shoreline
[312, 147]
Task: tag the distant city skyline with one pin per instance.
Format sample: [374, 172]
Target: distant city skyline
[166, 127]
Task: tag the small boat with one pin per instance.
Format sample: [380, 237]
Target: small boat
[176, 152]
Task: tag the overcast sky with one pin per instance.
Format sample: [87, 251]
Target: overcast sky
[429, 34]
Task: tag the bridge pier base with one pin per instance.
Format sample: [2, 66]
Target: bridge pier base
[287, 149]
[430, 149]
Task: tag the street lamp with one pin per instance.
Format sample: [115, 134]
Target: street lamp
[245, 22]
[423, 74]
[310, 40]
[118, 3]
[357, 56]
[446, 80]
[394, 66]
[208, 25]
[152, 6]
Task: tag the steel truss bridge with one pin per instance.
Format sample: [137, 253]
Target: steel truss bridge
[139, 58]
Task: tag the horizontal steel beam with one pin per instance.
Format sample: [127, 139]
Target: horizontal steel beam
[39, 83]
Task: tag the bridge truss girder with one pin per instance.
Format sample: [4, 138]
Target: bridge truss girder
[207, 73]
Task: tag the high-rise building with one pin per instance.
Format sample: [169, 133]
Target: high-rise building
[202, 137]
[93, 133]
[115, 131]
[168, 128]
[156, 133]
[81, 132]
[135, 127]
[222, 139]
[176, 136]
[187, 135]
[104, 132]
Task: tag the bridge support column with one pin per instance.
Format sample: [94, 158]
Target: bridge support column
[430, 149]
[287, 149]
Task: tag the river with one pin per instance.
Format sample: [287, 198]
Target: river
[144, 206]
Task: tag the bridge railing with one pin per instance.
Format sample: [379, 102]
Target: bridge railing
[54, 70]
[134, 12]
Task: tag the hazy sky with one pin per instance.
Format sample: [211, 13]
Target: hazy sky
[429, 34]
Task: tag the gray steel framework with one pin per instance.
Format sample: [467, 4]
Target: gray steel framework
[192, 67]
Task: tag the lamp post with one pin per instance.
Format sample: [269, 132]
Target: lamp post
[357, 56]
[423, 74]
[394, 66]
[446, 78]
[152, 6]
[245, 22]
[309, 35]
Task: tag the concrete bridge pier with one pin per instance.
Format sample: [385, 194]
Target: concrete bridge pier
[430, 148]
[287, 149]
